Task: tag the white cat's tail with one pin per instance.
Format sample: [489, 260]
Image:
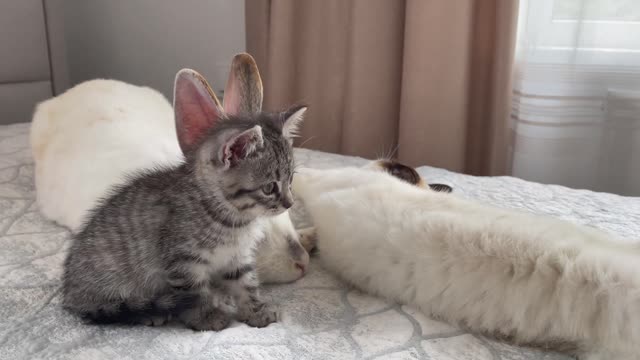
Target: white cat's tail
[616, 306]
[598, 300]
[537, 279]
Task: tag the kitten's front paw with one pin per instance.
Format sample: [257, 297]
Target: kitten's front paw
[156, 320]
[214, 320]
[261, 316]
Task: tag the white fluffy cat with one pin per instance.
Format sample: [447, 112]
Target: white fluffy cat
[534, 280]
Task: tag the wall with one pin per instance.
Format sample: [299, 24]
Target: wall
[145, 42]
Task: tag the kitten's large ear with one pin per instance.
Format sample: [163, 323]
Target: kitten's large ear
[291, 120]
[196, 108]
[243, 93]
[240, 146]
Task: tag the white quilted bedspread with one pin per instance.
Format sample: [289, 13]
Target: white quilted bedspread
[321, 317]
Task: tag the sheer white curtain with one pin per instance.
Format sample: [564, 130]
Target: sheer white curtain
[576, 107]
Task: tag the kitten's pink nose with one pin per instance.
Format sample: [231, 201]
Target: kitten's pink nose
[301, 266]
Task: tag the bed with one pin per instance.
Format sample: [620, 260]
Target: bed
[322, 318]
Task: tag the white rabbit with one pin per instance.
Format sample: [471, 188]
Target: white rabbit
[89, 138]
[85, 140]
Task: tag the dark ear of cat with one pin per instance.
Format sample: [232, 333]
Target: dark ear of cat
[196, 108]
[441, 188]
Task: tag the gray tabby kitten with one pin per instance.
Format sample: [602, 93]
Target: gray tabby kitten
[179, 242]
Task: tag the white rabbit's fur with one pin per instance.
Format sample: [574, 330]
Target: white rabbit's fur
[86, 140]
[532, 279]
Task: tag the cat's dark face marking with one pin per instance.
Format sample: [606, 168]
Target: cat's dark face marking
[401, 171]
[408, 174]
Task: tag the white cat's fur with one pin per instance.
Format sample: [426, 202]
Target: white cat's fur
[535, 280]
[87, 139]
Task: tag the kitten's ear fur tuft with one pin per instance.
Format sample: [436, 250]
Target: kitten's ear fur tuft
[243, 93]
[241, 146]
[196, 108]
[291, 121]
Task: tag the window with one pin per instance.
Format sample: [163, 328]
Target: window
[576, 104]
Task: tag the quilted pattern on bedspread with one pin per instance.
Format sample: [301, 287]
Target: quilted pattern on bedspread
[322, 318]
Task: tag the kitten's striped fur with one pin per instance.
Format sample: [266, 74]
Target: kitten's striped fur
[179, 242]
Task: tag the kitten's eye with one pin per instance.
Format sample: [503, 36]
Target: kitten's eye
[269, 188]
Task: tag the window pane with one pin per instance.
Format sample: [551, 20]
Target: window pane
[598, 10]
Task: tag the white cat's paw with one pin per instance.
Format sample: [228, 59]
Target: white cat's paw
[308, 238]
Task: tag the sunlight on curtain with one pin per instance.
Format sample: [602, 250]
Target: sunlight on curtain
[576, 104]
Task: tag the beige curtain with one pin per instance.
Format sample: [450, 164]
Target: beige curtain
[430, 77]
